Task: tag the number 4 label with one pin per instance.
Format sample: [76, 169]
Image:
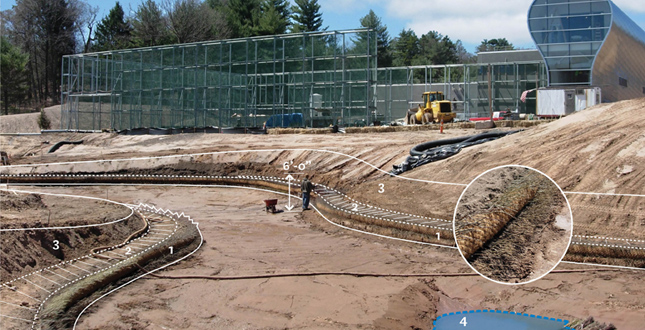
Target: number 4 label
[463, 321]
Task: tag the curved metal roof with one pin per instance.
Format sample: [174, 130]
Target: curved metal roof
[624, 22]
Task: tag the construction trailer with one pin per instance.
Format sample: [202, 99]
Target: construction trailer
[557, 102]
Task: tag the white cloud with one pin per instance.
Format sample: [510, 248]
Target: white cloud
[630, 5]
[345, 6]
[468, 20]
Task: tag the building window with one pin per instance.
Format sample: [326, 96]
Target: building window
[622, 81]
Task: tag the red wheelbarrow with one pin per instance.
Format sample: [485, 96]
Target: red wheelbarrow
[269, 205]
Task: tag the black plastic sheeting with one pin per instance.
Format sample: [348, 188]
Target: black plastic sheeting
[62, 143]
[433, 151]
[209, 129]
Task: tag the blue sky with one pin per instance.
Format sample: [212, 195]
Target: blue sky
[468, 20]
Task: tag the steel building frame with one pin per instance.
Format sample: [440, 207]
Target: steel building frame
[466, 85]
[225, 83]
[243, 82]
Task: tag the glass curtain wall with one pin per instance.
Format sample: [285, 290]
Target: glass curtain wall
[569, 34]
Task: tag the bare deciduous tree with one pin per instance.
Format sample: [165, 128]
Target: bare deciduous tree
[46, 30]
[190, 20]
[87, 20]
[150, 25]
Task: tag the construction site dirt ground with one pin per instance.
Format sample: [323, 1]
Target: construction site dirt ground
[242, 239]
[600, 150]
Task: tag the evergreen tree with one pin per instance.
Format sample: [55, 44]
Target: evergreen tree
[43, 120]
[242, 17]
[436, 49]
[307, 16]
[217, 4]
[494, 44]
[274, 17]
[371, 21]
[405, 48]
[13, 74]
[113, 31]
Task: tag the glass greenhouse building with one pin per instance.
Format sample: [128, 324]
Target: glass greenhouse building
[329, 77]
[222, 83]
[590, 42]
[320, 78]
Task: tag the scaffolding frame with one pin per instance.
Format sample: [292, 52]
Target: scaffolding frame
[466, 85]
[243, 82]
[224, 83]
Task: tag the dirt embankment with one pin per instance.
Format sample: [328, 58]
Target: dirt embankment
[60, 311]
[596, 150]
[28, 122]
[25, 210]
[601, 149]
[25, 251]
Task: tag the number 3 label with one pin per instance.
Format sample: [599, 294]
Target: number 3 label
[56, 245]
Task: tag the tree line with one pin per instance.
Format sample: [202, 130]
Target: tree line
[36, 34]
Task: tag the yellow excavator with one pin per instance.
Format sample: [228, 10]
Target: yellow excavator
[434, 109]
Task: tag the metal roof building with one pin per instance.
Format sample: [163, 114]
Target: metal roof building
[590, 42]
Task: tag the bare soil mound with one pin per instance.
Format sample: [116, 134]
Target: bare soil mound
[600, 150]
[22, 252]
[33, 210]
[28, 122]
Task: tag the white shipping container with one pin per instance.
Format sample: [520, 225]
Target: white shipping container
[550, 102]
[561, 102]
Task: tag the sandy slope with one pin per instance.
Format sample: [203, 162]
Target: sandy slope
[28, 122]
[597, 150]
[241, 239]
[601, 149]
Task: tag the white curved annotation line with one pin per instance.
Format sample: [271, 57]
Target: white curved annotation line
[237, 152]
[281, 150]
[201, 242]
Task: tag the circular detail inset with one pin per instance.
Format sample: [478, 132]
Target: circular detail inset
[513, 224]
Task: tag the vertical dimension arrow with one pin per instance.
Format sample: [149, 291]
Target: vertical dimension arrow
[289, 206]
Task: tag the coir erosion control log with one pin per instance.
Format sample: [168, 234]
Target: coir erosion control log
[474, 231]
